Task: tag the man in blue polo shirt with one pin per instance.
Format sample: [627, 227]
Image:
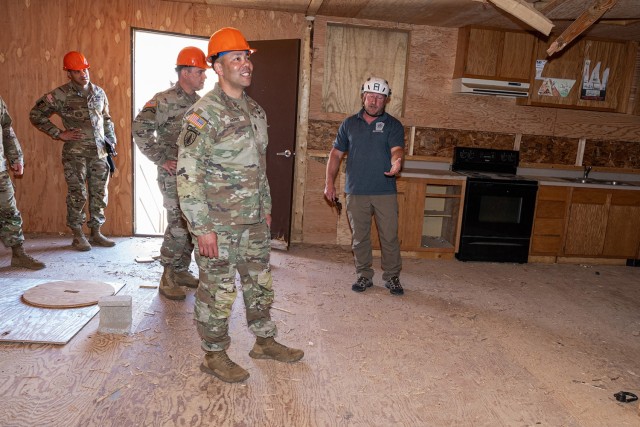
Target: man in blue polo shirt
[375, 142]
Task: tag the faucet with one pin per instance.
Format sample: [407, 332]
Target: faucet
[587, 169]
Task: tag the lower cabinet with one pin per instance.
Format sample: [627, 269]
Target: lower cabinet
[548, 225]
[430, 212]
[586, 222]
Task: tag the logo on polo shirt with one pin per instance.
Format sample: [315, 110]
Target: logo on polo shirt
[379, 127]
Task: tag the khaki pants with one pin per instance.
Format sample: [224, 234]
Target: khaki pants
[360, 208]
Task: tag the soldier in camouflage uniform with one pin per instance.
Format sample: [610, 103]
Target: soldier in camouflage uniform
[10, 219]
[88, 137]
[155, 131]
[224, 195]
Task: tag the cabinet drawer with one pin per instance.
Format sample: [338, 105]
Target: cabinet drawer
[548, 227]
[551, 209]
[549, 192]
[589, 196]
[546, 244]
[625, 198]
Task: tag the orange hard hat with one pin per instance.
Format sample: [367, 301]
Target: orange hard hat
[74, 61]
[192, 57]
[226, 39]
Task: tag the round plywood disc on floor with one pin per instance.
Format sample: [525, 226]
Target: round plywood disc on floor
[67, 293]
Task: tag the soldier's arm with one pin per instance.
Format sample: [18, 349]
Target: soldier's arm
[109, 128]
[145, 131]
[12, 149]
[192, 175]
[39, 116]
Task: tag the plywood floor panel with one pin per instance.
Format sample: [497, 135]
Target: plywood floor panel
[469, 344]
[21, 322]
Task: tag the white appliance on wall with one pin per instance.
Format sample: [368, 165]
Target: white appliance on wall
[490, 87]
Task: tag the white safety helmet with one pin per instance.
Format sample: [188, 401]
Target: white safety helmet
[376, 85]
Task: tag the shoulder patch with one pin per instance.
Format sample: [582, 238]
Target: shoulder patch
[196, 120]
[190, 136]
[150, 104]
[50, 98]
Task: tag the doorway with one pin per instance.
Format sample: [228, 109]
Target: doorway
[274, 86]
[154, 63]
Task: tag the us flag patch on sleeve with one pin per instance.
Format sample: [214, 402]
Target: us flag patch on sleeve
[196, 120]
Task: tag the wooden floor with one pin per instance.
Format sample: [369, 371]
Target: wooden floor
[469, 344]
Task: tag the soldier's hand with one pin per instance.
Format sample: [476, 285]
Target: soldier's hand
[208, 245]
[70, 135]
[170, 166]
[17, 169]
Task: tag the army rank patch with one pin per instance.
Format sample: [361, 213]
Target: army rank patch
[190, 136]
[196, 120]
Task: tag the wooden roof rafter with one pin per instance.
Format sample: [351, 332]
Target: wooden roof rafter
[582, 22]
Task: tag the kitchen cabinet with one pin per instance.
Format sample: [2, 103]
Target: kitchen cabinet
[548, 225]
[603, 223]
[493, 54]
[429, 216]
[609, 61]
[580, 222]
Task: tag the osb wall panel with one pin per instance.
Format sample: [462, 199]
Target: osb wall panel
[350, 49]
[320, 221]
[429, 101]
[440, 142]
[35, 36]
[548, 150]
[612, 154]
[254, 24]
[322, 135]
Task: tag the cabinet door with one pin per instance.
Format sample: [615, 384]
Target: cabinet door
[616, 61]
[587, 223]
[409, 212]
[549, 220]
[494, 54]
[623, 225]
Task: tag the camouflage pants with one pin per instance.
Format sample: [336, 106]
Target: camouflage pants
[246, 249]
[176, 247]
[81, 172]
[10, 219]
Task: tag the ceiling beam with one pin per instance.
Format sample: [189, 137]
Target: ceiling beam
[526, 13]
[582, 22]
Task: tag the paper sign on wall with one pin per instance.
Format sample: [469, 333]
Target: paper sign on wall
[555, 87]
[593, 87]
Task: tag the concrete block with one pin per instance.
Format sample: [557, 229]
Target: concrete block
[115, 314]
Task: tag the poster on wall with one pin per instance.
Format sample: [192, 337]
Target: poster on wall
[594, 88]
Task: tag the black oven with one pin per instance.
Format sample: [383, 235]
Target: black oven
[498, 206]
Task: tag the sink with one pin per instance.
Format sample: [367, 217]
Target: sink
[597, 181]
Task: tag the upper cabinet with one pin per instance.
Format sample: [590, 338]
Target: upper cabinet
[486, 53]
[589, 74]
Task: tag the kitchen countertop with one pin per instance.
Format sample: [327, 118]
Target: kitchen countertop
[552, 177]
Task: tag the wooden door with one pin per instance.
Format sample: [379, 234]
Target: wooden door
[274, 85]
[623, 225]
[587, 222]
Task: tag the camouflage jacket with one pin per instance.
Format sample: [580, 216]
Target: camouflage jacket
[157, 126]
[10, 146]
[222, 177]
[89, 114]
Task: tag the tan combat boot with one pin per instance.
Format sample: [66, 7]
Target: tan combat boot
[185, 278]
[218, 364]
[168, 286]
[269, 348]
[98, 239]
[80, 242]
[21, 259]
